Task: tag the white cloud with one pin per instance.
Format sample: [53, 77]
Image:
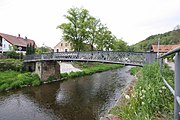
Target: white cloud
[133, 20]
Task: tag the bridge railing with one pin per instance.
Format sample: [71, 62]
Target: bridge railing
[104, 56]
[176, 91]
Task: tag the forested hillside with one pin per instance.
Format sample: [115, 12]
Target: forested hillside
[168, 38]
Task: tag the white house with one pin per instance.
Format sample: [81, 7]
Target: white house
[8, 41]
[63, 46]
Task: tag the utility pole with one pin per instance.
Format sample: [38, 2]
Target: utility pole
[158, 46]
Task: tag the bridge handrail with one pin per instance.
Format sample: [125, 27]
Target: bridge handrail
[175, 92]
[138, 58]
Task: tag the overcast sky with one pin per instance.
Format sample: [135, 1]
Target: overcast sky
[132, 20]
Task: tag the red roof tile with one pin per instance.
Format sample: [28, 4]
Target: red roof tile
[163, 48]
[18, 41]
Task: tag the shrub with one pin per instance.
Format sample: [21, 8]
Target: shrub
[36, 82]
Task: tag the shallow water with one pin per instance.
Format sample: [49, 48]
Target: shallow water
[83, 98]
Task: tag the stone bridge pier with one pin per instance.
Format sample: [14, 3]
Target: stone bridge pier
[44, 69]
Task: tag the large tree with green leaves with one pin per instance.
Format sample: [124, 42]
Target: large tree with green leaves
[84, 30]
[75, 30]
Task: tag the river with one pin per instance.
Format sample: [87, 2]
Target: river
[83, 98]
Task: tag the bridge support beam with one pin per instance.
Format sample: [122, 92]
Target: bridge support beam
[30, 66]
[46, 69]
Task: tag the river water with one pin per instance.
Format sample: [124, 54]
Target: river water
[83, 98]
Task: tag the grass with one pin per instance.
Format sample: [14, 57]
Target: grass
[150, 99]
[89, 68]
[13, 80]
[134, 70]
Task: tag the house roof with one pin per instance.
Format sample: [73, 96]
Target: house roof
[164, 48]
[62, 41]
[18, 41]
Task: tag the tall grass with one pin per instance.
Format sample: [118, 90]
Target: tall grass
[150, 99]
[12, 80]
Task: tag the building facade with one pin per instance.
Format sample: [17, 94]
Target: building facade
[63, 46]
[7, 42]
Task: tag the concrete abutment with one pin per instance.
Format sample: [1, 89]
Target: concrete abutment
[44, 69]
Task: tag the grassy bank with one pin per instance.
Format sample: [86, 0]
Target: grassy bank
[13, 79]
[89, 68]
[150, 98]
[134, 70]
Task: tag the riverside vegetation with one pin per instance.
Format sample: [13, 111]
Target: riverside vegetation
[12, 77]
[89, 68]
[150, 98]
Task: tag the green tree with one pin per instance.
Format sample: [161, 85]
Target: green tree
[33, 48]
[75, 31]
[94, 31]
[27, 49]
[175, 35]
[120, 45]
[105, 40]
[41, 50]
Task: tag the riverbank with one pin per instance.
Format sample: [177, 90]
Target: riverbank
[15, 79]
[88, 68]
[149, 98]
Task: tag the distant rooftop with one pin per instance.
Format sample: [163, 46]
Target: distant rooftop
[163, 48]
[17, 40]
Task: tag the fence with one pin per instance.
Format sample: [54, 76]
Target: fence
[176, 91]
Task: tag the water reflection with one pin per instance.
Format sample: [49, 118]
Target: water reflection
[84, 98]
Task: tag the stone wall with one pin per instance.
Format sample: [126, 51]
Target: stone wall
[45, 69]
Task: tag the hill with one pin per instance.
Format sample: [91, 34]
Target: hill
[168, 38]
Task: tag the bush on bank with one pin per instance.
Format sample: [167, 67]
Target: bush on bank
[150, 99]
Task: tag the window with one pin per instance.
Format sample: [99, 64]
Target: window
[65, 50]
[4, 45]
[57, 50]
[66, 44]
[61, 44]
[70, 44]
[0, 41]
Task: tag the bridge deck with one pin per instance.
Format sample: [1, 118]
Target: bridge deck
[126, 58]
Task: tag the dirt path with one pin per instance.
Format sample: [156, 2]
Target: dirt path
[67, 68]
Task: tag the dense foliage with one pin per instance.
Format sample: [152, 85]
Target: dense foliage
[150, 99]
[82, 28]
[30, 49]
[168, 38]
[41, 50]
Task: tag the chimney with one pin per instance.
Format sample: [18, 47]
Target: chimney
[19, 35]
[25, 38]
